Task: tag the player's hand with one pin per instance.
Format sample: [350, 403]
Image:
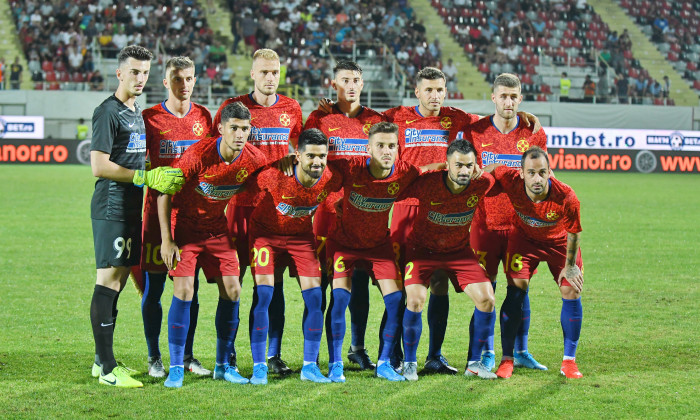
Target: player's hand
[170, 253]
[573, 275]
[490, 168]
[530, 119]
[163, 178]
[287, 163]
[477, 173]
[325, 105]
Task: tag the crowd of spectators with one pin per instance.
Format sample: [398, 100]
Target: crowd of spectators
[298, 30]
[59, 37]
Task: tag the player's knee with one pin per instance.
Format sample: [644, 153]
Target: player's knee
[568, 292]
[520, 283]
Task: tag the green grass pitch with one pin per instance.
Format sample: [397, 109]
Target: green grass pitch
[638, 350]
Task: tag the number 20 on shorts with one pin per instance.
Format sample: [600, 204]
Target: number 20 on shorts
[261, 257]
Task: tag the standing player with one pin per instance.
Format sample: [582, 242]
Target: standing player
[439, 242]
[281, 228]
[347, 127]
[171, 127]
[502, 138]
[118, 158]
[276, 124]
[214, 169]
[548, 228]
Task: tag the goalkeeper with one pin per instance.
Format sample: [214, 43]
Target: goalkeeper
[118, 156]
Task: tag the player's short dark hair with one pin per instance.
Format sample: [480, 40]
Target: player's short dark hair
[136, 52]
[508, 80]
[178, 63]
[534, 152]
[235, 110]
[311, 136]
[462, 146]
[383, 127]
[346, 65]
[430, 73]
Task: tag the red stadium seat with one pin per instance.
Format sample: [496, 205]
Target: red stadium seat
[546, 89]
[675, 47]
[50, 76]
[628, 54]
[469, 48]
[38, 86]
[47, 65]
[696, 85]
[526, 79]
[54, 86]
[484, 68]
[633, 73]
[541, 97]
[672, 56]
[690, 65]
[571, 25]
[658, 101]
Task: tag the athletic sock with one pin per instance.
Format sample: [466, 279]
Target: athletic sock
[438, 309]
[194, 315]
[226, 322]
[178, 324]
[335, 324]
[571, 317]
[392, 303]
[359, 307]
[102, 322]
[115, 312]
[152, 311]
[313, 324]
[524, 329]
[511, 313]
[276, 319]
[261, 322]
[483, 327]
[412, 329]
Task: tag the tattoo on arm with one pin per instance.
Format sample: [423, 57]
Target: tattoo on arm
[573, 240]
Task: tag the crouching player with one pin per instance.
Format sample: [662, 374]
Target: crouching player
[439, 244]
[281, 229]
[548, 228]
[214, 169]
[360, 236]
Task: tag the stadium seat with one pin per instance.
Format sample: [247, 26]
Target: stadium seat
[546, 89]
[50, 76]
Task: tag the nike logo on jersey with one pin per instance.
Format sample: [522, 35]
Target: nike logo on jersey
[408, 122]
[284, 197]
[106, 325]
[166, 131]
[433, 203]
[334, 129]
[486, 144]
[357, 186]
[209, 176]
[132, 124]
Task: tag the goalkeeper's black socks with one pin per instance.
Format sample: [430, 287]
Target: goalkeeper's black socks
[102, 317]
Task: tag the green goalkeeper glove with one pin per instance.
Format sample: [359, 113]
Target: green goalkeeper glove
[163, 178]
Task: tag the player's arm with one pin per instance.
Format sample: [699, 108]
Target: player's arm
[325, 105]
[169, 251]
[164, 178]
[530, 119]
[571, 271]
[433, 167]
[102, 167]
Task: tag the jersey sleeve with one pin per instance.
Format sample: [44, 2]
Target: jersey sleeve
[540, 139]
[190, 164]
[296, 130]
[572, 217]
[336, 181]
[104, 129]
[313, 121]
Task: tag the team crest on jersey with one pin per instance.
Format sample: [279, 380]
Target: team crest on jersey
[366, 127]
[198, 129]
[321, 196]
[285, 119]
[472, 201]
[552, 215]
[242, 175]
[446, 122]
[523, 145]
[393, 188]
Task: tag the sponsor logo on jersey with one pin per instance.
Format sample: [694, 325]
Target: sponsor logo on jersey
[416, 137]
[511, 161]
[172, 149]
[198, 129]
[292, 211]
[531, 221]
[369, 204]
[285, 119]
[451, 219]
[338, 146]
[522, 145]
[217, 192]
[137, 143]
[269, 136]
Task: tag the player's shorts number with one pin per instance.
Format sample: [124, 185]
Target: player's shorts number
[153, 255]
[482, 257]
[261, 257]
[409, 270]
[516, 262]
[397, 251]
[120, 245]
[339, 265]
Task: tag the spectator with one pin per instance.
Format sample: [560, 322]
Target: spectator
[15, 74]
[81, 130]
[450, 71]
[588, 89]
[96, 81]
[666, 87]
[622, 87]
[564, 87]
